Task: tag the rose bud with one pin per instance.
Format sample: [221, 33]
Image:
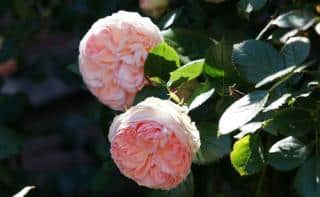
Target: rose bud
[153, 143]
[112, 57]
[154, 8]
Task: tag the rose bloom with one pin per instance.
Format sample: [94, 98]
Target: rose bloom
[153, 143]
[112, 56]
[8, 67]
[154, 8]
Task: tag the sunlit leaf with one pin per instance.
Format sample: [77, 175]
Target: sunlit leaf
[293, 19]
[24, 191]
[187, 72]
[200, 99]
[249, 128]
[247, 155]
[242, 111]
[162, 59]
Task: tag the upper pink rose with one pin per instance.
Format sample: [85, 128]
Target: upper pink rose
[154, 8]
[153, 143]
[112, 56]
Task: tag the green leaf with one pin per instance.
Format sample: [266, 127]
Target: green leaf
[292, 122]
[24, 191]
[212, 148]
[283, 73]
[10, 144]
[249, 128]
[218, 65]
[296, 51]
[307, 182]
[247, 155]
[161, 60]
[249, 6]
[185, 189]
[242, 111]
[274, 76]
[189, 44]
[293, 19]
[256, 60]
[287, 154]
[186, 73]
[150, 91]
[277, 103]
[200, 99]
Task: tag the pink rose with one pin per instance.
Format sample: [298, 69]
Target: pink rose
[112, 56]
[153, 143]
[154, 8]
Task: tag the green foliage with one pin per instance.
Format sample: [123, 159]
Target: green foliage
[218, 65]
[212, 147]
[247, 155]
[161, 60]
[306, 181]
[256, 60]
[292, 122]
[293, 19]
[242, 111]
[296, 50]
[190, 45]
[187, 72]
[200, 99]
[287, 154]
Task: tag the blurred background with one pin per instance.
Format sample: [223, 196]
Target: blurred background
[53, 131]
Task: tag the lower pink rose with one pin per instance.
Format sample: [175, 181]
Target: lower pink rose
[153, 143]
